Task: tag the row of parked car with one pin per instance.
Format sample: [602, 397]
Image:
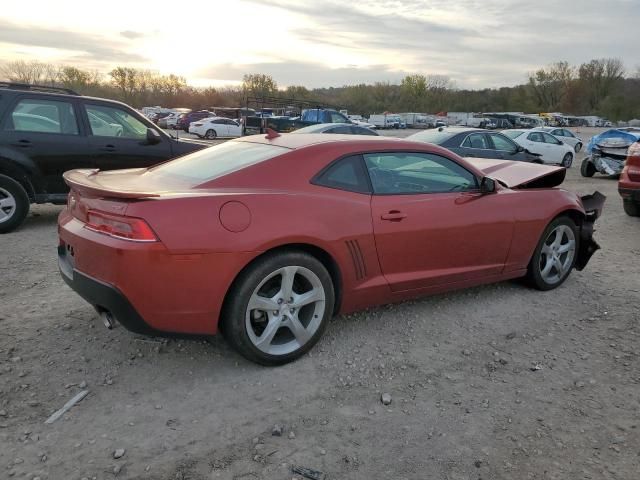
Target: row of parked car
[45, 131]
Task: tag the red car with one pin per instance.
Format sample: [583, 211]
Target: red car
[629, 183]
[266, 238]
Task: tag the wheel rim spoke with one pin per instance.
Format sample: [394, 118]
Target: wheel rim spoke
[288, 276]
[8, 202]
[570, 245]
[264, 304]
[299, 331]
[264, 341]
[311, 296]
[547, 267]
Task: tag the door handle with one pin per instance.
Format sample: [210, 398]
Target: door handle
[22, 143]
[393, 216]
[470, 155]
[108, 148]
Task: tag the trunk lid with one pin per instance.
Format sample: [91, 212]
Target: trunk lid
[514, 174]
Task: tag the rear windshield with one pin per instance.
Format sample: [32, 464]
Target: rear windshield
[513, 133]
[217, 161]
[432, 136]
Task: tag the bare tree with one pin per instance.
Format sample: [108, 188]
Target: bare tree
[599, 77]
[550, 85]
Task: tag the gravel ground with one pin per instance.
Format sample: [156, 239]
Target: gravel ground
[496, 382]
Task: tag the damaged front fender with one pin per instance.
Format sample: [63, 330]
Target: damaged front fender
[593, 205]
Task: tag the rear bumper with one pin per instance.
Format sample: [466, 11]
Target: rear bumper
[630, 193]
[102, 296]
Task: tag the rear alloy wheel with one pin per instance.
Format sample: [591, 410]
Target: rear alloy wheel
[631, 208]
[567, 160]
[578, 147]
[210, 135]
[587, 169]
[14, 204]
[279, 308]
[555, 255]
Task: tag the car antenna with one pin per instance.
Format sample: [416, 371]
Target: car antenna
[271, 134]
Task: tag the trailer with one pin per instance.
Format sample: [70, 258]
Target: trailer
[414, 120]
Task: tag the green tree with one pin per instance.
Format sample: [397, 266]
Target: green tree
[259, 85]
[598, 79]
[550, 85]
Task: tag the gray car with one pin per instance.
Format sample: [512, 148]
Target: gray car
[343, 128]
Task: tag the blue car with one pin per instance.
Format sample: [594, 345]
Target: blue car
[607, 152]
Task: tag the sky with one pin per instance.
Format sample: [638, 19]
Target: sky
[323, 43]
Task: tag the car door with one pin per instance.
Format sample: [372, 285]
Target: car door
[233, 129]
[123, 143]
[432, 226]
[506, 148]
[554, 148]
[45, 132]
[476, 145]
[536, 144]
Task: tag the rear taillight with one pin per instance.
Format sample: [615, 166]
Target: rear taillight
[632, 165]
[126, 228]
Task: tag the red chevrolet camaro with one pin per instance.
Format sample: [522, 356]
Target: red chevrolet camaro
[265, 238]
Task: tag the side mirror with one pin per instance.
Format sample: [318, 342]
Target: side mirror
[519, 149]
[487, 185]
[153, 137]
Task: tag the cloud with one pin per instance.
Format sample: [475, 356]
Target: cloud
[486, 43]
[90, 47]
[291, 72]
[131, 35]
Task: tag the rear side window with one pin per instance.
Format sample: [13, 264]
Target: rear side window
[476, 140]
[215, 162]
[114, 122]
[43, 116]
[435, 136]
[346, 174]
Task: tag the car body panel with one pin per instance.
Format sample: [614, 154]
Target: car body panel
[474, 142]
[550, 149]
[448, 240]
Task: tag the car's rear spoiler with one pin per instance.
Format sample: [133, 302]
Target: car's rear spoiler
[86, 182]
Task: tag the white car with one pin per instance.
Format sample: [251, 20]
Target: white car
[567, 136]
[550, 149]
[214, 127]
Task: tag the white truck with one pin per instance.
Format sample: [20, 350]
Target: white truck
[385, 120]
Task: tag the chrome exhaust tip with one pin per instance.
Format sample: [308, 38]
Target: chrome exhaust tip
[107, 319]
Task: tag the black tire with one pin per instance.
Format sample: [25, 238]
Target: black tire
[234, 315]
[578, 147]
[210, 134]
[12, 190]
[587, 169]
[534, 276]
[631, 208]
[567, 160]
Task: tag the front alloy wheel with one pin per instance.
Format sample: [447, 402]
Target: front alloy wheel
[279, 308]
[555, 255]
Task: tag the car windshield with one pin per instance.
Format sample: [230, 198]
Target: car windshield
[217, 161]
[513, 133]
[436, 136]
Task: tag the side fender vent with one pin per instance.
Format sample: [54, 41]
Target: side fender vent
[358, 260]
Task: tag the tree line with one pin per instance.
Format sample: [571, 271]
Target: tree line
[598, 87]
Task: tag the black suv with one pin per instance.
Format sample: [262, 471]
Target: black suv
[45, 131]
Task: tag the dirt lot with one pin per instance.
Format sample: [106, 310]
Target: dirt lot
[497, 382]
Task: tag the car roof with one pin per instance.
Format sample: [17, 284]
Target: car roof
[320, 127]
[301, 140]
